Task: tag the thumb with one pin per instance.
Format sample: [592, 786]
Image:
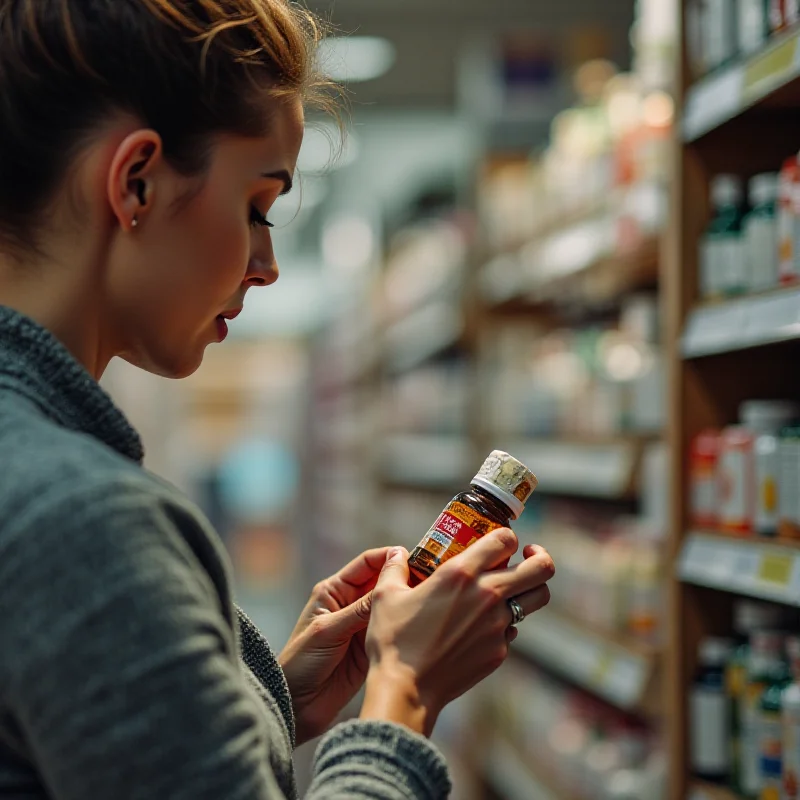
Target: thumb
[395, 571]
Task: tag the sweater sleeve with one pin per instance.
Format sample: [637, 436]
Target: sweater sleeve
[125, 680]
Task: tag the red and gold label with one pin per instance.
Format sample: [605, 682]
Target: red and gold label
[457, 527]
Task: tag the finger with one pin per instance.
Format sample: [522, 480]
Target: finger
[352, 619]
[529, 574]
[395, 573]
[533, 601]
[487, 553]
[359, 576]
[511, 634]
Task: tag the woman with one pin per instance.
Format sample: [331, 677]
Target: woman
[142, 144]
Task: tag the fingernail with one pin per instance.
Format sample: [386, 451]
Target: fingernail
[395, 554]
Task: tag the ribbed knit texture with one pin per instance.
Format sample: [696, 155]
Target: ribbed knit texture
[126, 672]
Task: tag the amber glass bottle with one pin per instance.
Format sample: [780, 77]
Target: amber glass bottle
[496, 497]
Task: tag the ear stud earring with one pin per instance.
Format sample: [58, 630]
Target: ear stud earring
[134, 222]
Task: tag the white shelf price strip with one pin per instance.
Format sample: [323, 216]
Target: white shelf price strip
[751, 567]
[606, 669]
[740, 324]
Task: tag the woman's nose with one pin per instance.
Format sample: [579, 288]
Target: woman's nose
[262, 272]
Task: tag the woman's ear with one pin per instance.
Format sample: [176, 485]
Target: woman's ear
[130, 177]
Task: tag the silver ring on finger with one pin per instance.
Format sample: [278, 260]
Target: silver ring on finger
[517, 614]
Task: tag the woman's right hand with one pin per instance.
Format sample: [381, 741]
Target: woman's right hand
[430, 644]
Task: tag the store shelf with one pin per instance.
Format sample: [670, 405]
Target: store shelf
[771, 78]
[427, 462]
[743, 566]
[509, 774]
[620, 674]
[583, 469]
[708, 791]
[741, 324]
[432, 330]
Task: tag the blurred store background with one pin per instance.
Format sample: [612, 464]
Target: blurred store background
[531, 240]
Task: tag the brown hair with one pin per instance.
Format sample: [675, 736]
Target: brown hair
[189, 69]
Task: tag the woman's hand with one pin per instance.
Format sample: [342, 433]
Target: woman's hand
[430, 644]
[324, 660]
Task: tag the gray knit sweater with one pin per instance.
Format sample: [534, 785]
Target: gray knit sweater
[126, 672]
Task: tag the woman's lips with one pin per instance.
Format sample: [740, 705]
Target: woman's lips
[222, 329]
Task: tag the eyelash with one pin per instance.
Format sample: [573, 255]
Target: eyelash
[257, 218]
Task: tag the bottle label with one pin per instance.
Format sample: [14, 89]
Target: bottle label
[766, 510]
[762, 253]
[457, 527]
[734, 476]
[791, 754]
[750, 762]
[709, 725]
[770, 756]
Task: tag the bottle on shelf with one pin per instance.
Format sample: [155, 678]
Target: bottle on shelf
[760, 231]
[748, 467]
[789, 222]
[789, 483]
[770, 734]
[753, 25]
[790, 724]
[709, 712]
[720, 37]
[764, 662]
[703, 478]
[497, 495]
[722, 256]
[748, 617]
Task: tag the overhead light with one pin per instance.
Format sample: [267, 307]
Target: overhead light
[354, 59]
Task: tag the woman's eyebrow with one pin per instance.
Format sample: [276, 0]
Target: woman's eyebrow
[281, 175]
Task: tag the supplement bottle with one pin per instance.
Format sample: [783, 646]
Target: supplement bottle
[703, 478]
[760, 231]
[788, 222]
[709, 712]
[764, 662]
[790, 724]
[770, 736]
[789, 483]
[748, 617]
[747, 485]
[497, 495]
[753, 23]
[767, 420]
[720, 32]
[722, 257]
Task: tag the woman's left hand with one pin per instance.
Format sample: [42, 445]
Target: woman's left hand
[324, 660]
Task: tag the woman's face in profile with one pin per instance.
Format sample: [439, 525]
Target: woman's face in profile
[200, 246]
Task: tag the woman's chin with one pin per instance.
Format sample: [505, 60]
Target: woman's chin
[168, 365]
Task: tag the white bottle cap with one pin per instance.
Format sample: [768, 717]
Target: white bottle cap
[509, 480]
[726, 190]
[763, 188]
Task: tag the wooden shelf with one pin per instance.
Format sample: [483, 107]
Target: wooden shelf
[589, 281]
[742, 324]
[771, 78]
[621, 673]
[709, 791]
[602, 469]
[753, 567]
[429, 332]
